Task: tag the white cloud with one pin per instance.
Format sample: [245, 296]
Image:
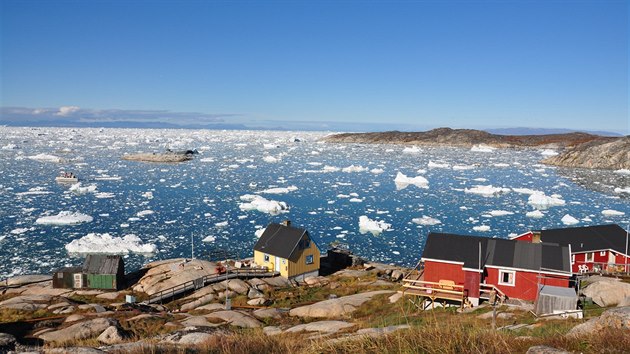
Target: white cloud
[66, 110]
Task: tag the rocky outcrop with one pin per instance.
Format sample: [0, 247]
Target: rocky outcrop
[27, 279]
[165, 274]
[82, 330]
[601, 153]
[7, 343]
[168, 156]
[618, 318]
[607, 292]
[321, 326]
[462, 138]
[543, 349]
[336, 307]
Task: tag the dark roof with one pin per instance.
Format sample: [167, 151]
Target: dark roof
[101, 264]
[69, 270]
[280, 240]
[496, 252]
[588, 238]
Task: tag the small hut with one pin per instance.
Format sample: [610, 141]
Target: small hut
[554, 300]
[99, 271]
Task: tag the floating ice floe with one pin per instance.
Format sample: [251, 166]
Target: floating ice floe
[500, 213]
[482, 148]
[432, 164]
[549, 152]
[609, 212]
[463, 167]
[46, 158]
[78, 189]
[536, 214]
[375, 227]
[412, 150]
[34, 191]
[9, 147]
[148, 195]
[144, 213]
[270, 159]
[279, 190]
[256, 202]
[569, 220]
[487, 191]
[64, 218]
[623, 190]
[209, 239]
[481, 228]
[623, 171]
[107, 178]
[106, 243]
[259, 232]
[104, 195]
[403, 181]
[541, 201]
[353, 168]
[330, 169]
[20, 231]
[377, 171]
[526, 191]
[221, 224]
[426, 221]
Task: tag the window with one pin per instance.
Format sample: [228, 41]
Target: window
[307, 243]
[309, 259]
[590, 257]
[266, 258]
[507, 277]
[572, 258]
[602, 253]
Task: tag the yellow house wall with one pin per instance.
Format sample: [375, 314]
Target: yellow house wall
[300, 267]
[259, 259]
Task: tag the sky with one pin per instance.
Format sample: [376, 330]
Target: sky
[369, 65]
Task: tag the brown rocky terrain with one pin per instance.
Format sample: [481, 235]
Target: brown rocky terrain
[466, 138]
[600, 153]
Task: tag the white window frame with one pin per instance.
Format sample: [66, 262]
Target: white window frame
[311, 257]
[602, 253]
[592, 258]
[504, 271]
[572, 259]
[266, 258]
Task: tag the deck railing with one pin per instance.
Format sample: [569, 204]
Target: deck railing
[443, 290]
[487, 291]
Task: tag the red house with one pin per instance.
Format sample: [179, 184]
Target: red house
[514, 268]
[593, 248]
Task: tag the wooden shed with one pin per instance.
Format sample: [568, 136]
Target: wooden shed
[104, 272]
[68, 278]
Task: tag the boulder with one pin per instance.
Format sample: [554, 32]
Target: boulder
[74, 350]
[336, 307]
[199, 302]
[7, 342]
[74, 318]
[607, 293]
[236, 318]
[543, 349]
[112, 295]
[321, 327]
[200, 293]
[111, 335]
[196, 338]
[239, 286]
[316, 281]
[394, 298]
[212, 307]
[617, 318]
[257, 283]
[351, 273]
[198, 321]
[81, 330]
[271, 330]
[377, 332]
[277, 282]
[257, 302]
[254, 294]
[27, 279]
[267, 313]
[397, 275]
[625, 302]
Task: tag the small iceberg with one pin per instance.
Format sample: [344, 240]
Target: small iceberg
[64, 218]
[375, 227]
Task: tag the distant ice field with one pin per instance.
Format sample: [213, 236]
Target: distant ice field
[243, 180]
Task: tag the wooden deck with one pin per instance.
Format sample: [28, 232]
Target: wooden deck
[444, 290]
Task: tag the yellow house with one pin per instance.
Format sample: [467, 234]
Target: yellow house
[288, 250]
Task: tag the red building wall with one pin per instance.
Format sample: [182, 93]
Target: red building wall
[580, 259]
[436, 271]
[525, 285]
[527, 237]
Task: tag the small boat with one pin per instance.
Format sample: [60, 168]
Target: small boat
[67, 177]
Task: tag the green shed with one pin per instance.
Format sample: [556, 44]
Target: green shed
[104, 272]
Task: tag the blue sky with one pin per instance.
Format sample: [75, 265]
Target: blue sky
[476, 64]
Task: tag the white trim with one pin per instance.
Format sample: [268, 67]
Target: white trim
[440, 261]
[523, 234]
[473, 270]
[503, 271]
[601, 250]
[559, 272]
[592, 257]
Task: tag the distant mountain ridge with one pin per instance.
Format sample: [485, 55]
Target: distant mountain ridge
[546, 131]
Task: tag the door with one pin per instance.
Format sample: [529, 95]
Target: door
[78, 281]
[277, 263]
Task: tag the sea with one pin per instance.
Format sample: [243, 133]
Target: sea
[379, 201]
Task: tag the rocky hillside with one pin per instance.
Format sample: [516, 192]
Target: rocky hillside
[600, 153]
[464, 138]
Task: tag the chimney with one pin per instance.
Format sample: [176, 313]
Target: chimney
[286, 223]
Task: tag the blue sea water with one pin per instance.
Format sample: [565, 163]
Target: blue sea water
[189, 199]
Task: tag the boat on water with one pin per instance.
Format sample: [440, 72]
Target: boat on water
[67, 177]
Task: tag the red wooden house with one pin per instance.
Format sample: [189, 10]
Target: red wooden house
[514, 268]
[593, 248]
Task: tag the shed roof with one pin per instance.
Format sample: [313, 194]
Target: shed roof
[280, 240]
[101, 264]
[497, 252]
[588, 238]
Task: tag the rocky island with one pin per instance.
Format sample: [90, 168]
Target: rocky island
[580, 150]
[167, 156]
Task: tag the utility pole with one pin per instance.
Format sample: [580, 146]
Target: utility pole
[192, 247]
[626, 255]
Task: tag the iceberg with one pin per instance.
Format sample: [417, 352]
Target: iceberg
[353, 168]
[487, 191]
[549, 152]
[482, 148]
[426, 221]
[569, 220]
[280, 190]
[46, 158]
[403, 181]
[610, 212]
[541, 201]
[106, 243]
[432, 164]
[481, 228]
[256, 202]
[209, 239]
[64, 218]
[374, 227]
[536, 214]
[412, 150]
[500, 213]
[79, 190]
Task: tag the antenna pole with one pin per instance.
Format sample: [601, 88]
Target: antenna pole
[192, 247]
